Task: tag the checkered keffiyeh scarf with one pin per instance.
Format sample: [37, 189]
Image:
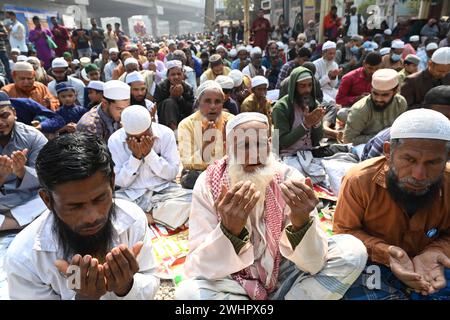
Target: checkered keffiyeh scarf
[257, 282]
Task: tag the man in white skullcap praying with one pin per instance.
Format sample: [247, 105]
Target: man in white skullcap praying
[416, 86]
[377, 111]
[113, 63]
[139, 90]
[327, 71]
[255, 67]
[201, 137]
[173, 96]
[399, 206]
[146, 163]
[132, 66]
[257, 101]
[26, 86]
[256, 219]
[104, 119]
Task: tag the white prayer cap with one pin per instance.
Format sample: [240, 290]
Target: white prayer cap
[59, 63]
[134, 77]
[385, 79]
[220, 47]
[233, 53]
[388, 32]
[35, 59]
[22, 58]
[441, 56]
[76, 62]
[241, 48]
[421, 124]
[328, 45]
[339, 41]
[353, 6]
[414, 38]
[397, 44]
[313, 42]
[249, 48]
[255, 50]
[130, 61]
[96, 85]
[170, 42]
[431, 46]
[385, 51]
[135, 119]
[15, 50]
[84, 61]
[259, 80]
[207, 85]
[237, 77]
[116, 90]
[280, 45]
[23, 66]
[173, 64]
[113, 50]
[244, 118]
[225, 82]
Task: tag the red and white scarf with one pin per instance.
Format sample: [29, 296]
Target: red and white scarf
[254, 279]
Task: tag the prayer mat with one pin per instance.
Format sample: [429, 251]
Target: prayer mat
[170, 248]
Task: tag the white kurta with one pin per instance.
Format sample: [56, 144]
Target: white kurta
[329, 86]
[30, 259]
[154, 172]
[17, 38]
[212, 255]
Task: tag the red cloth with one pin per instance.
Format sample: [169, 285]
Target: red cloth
[61, 37]
[353, 85]
[260, 36]
[408, 50]
[331, 25]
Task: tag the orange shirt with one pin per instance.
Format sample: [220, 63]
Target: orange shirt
[366, 210]
[39, 94]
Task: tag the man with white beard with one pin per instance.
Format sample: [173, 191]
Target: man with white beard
[327, 71]
[253, 234]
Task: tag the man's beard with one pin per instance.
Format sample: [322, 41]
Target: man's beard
[261, 177]
[383, 107]
[409, 200]
[96, 245]
[134, 101]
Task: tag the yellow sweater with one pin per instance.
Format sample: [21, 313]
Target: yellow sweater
[190, 141]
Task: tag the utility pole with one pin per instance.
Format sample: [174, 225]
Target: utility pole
[324, 9]
[210, 14]
[246, 21]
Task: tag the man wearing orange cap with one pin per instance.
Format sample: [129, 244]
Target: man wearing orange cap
[377, 111]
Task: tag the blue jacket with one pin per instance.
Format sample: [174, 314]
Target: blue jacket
[28, 110]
